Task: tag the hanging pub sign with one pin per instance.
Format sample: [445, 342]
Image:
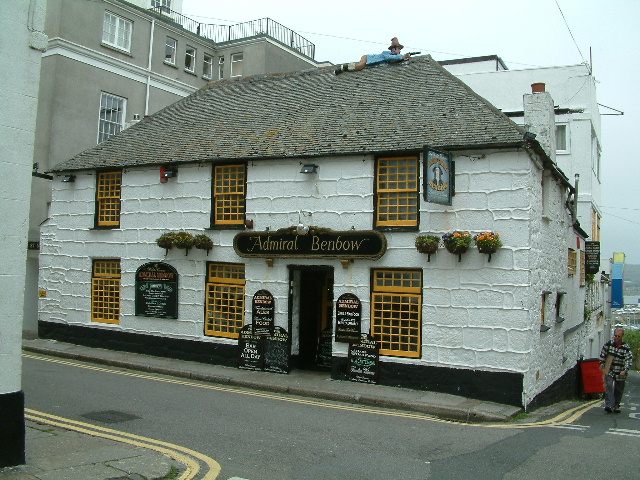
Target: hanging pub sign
[317, 242]
[348, 315]
[437, 176]
[263, 312]
[156, 291]
[362, 363]
[250, 349]
[592, 257]
[277, 351]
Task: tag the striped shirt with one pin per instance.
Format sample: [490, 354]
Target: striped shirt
[622, 358]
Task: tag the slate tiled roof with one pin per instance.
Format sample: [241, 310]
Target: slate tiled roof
[311, 113]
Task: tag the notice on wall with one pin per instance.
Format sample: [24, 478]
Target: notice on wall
[277, 351]
[348, 315]
[592, 257]
[362, 363]
[263, 312]
[156, 291]
[250, 349]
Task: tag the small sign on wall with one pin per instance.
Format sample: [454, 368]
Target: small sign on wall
[156, 291]
[437, 176]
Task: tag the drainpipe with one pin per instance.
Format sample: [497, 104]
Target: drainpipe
[146, 99]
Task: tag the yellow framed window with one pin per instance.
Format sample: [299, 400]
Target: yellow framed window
[109, 187]
[572, 261]
[224, 302]
[583, 270]
[105, 291]
[229, 194]
[396, 312]
[397, 195]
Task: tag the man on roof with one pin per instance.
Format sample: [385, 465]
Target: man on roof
[392, 54]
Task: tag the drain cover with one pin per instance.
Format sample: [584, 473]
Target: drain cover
[110, 416]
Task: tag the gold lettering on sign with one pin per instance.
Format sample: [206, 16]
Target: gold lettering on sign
[337, 244]
[267, 243]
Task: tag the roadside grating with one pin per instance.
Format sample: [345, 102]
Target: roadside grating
[110, 416]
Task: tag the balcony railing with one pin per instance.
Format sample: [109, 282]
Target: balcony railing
[227, 33]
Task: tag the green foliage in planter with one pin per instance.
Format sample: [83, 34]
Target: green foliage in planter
[203, 242]
[183, 240]
[427, 243]
[166, 240]
[457, 242]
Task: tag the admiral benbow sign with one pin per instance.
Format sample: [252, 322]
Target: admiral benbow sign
[317, 243]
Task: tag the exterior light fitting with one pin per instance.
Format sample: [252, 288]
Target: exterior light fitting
[69, 178]
[309, 168]
[302, 229]
[166, 173]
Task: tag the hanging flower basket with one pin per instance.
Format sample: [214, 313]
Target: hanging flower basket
[488, 242]
[457, 242]
[427, 244]
[183, 240]
[166, 241]
[203, 242]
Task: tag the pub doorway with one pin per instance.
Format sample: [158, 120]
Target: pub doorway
[311, 316]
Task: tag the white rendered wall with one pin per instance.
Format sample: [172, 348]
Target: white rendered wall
[476, 314]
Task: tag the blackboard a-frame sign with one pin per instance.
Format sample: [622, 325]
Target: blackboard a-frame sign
[277, 351]
[263, 312]
[250, 349]
[362, 363]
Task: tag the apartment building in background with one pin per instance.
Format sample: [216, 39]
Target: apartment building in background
[109, 63]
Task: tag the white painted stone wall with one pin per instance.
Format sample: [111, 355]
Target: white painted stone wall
[476, 314]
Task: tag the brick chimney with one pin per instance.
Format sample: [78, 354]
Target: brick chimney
[539, 118]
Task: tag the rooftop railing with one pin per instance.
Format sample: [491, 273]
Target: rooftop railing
[228, 33]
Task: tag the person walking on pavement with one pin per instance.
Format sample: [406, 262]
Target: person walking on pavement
[615, 362]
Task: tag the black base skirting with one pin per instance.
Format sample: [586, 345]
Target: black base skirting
[204, 352]
[499, 387]
[566, 387]
[12, 429]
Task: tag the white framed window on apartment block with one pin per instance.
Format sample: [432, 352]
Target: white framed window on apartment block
[207, 66]
[220, 68]
[170, 48]
[562, 138]
[116, 31]
[112, 114]
[190, 59]
[236, 64]
[163, 5]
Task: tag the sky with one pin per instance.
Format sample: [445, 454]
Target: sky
[525, 34]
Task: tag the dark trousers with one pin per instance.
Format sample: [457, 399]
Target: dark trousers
[613, 391]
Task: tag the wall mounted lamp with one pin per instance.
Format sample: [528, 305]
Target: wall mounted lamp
[309, 168]
[166, 173]
[69, 178]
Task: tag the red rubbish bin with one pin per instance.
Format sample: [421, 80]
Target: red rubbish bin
[592, 376]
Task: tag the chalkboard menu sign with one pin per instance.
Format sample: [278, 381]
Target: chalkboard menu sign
[263, 312]
[277, 351]
[592, 257]
[250, 349]
[323, 355]
[348, 314]
[156, 291]
[362, 364]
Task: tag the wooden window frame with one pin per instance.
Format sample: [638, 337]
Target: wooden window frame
[397, 331]
[170, 50]
[572, 261]
[409, 194]
[111, 115]
[228, 196]
[121, 39]
[108, 203]
[190, 57]
[229, 291]
[583, 270]
[106, 291]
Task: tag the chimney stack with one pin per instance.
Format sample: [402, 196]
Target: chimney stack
[539, 118]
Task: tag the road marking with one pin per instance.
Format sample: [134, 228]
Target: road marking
[625, 432]
[571, 426]
[179, 453]
[563, 418]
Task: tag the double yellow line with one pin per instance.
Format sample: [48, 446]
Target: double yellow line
[189, 458]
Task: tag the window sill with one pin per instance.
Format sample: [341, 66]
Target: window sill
[190, 72]
[169, 64]
[117, 49]
[544, 328]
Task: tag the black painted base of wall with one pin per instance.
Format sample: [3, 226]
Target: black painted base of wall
[12, 429]
[214, 353]
[499, 387]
